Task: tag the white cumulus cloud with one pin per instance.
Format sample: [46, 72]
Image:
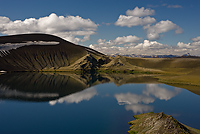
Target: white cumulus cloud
[131, 47]
[140, 12]
[147, 47]
[141, 17]
[192, 48]
[154, 31]
[102, 43]
[150, 45]
[126, 39]
[130, 21]
[73, 28]
[196, 39]
[136, 17]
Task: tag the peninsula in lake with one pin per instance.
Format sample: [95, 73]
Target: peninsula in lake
[158, 123]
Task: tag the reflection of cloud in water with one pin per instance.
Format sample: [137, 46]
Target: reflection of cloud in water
[137, 103]
[5, 91]
[131, 102]
[139, 108]
[160, 92]
[86, 94]
[133, 99]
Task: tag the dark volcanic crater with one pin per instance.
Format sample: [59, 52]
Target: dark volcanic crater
[39, 51]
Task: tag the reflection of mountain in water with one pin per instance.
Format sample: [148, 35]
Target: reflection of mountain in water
[52, 86]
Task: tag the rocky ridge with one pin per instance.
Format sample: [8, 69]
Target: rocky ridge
[158, 123]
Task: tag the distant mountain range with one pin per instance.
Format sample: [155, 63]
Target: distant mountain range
[156, 56]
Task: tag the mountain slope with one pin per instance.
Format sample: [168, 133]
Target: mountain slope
[40, 52]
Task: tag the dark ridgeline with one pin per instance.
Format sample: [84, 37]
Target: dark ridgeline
[38, 57]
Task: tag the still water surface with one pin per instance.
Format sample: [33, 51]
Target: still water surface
[57, 103]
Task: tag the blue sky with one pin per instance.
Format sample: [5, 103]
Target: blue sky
[101, 32]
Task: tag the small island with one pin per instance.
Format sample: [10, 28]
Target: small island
[158, 123]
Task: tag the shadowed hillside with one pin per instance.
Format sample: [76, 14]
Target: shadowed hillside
[36, 56]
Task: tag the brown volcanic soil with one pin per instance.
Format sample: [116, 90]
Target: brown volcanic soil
[39, 57]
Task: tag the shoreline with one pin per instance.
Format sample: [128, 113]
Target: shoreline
[187, 82]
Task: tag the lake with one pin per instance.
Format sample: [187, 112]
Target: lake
[99, 103]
